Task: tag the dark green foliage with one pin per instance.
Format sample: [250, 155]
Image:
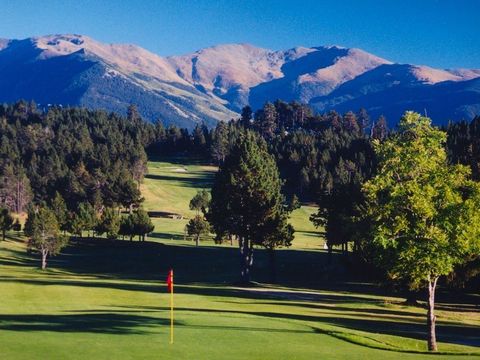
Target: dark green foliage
[59, 207]
[126, 227]
[137, 223]
[246, 200]
[200, 202]
[6, 221]
[196, 227]
[142, 224]
[17, 226]
[380, 129]
[109, 224]
[84, 219]
[246, 117]
[87, 156]
[220, 143]
[463, 144]
[15, 190]
[463, 147]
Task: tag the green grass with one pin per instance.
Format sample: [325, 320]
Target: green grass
[107, 299]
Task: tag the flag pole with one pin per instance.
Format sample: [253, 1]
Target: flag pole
[171, 309]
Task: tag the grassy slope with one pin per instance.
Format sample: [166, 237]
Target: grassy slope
[107, 300]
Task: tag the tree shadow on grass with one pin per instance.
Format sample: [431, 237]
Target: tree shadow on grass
[165, 236]
[454, 333]
[346, 310]
[194, 179]
[117, 322]
[105, 323]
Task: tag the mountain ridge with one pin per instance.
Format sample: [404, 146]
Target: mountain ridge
[214, 83]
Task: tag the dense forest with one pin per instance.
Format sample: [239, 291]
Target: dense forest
[91, 161]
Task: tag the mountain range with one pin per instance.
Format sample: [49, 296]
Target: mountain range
[214, 83]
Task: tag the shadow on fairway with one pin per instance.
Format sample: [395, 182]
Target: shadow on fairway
[106, 323]
[454, 333]
[194, 179]
[143, 266]
[165, 236]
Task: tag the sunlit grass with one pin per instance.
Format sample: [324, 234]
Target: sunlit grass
[107, 299]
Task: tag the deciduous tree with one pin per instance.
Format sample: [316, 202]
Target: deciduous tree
[44, 234]
[424, 212]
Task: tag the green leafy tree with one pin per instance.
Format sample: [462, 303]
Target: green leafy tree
[196, 227]
[84, 219]
[59, 207]
[109, 224]
[6, 221]
[141, 223]
[44, 234]
[200, 202]
[246, 199]
[126, 227]
[424, 213]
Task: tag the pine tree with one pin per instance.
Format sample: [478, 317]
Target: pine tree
[109, 223]
[59, 207]
[196, 227]
[266, 121]
[246, 117]
[246, 200]
[380, 129]
[6, 221]
[220, 144]
[200, 202]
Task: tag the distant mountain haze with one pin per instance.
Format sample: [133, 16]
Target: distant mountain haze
[213, 84]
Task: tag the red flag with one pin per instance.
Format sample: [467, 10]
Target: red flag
[170, 281]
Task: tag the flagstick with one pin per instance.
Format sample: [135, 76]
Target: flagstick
[171, 313]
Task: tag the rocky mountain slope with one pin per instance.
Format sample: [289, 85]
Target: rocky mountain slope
[213, 84]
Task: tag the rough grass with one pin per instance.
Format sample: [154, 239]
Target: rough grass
[106, 299]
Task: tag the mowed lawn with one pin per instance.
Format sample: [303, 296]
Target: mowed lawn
[107, 299]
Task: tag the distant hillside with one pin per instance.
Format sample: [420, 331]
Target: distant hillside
[213, 84]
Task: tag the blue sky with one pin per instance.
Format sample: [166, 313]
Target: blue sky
[433, 32]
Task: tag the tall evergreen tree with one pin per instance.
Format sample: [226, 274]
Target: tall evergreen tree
[246, 200]
[220, 143]
[6, 221]
[380, 129]
[246, 117]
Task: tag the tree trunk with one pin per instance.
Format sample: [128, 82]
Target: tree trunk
[411, 298]
[273, 265]
[197, 240]
[44, 259]
[246, 255]
[3, 234]
[432, 340]
[330, 249]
